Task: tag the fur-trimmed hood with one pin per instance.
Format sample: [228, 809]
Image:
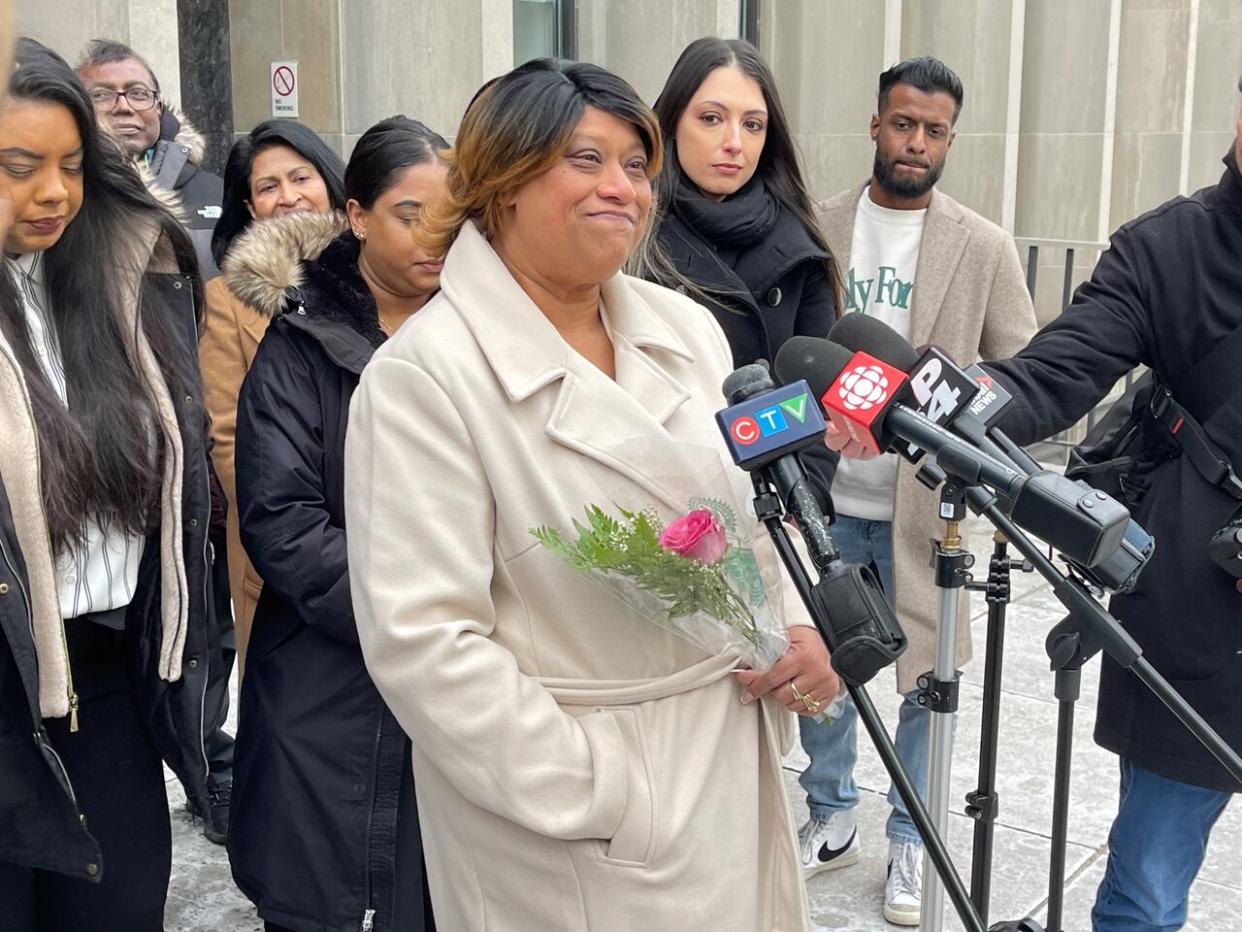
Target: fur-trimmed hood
[266, 261]
[176, 128]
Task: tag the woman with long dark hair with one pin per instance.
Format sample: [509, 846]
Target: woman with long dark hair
[280, 168]
[735, 227]
[325, 832]
[103, 519]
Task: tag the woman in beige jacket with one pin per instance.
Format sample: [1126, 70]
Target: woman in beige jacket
[577, 766]
[279, 168]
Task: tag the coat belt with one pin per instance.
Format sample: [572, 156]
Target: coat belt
[574, 691]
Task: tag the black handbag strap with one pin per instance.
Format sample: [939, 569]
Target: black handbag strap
[1202, 388]
[1202, 392]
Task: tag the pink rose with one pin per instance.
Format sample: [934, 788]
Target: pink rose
[696, 535]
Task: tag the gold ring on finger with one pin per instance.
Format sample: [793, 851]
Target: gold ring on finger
[798, 697]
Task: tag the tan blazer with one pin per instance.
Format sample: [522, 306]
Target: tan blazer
[577, 767]
[231, 334]
[239, 306]
[970, 299]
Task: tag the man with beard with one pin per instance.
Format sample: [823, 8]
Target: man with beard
[937, 273]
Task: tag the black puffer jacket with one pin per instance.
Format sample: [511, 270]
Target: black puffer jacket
[1166, 292]
[40, 825]
[767, 278]
[320, 761]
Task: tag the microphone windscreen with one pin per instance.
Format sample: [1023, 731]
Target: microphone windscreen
[817, 360]
[742, 383]
[861, 333]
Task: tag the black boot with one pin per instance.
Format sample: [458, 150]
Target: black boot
[216, 820]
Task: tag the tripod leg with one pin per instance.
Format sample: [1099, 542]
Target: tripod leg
[933, 845]
[981, 805]
[1067, 690]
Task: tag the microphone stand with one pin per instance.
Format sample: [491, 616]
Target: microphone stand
[1088, 629]
[938, 688]
[769, 510]
[983, 803]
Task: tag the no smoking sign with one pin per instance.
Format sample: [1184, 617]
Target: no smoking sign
[284, 86]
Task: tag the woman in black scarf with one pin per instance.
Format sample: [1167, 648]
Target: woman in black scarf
[736, 227]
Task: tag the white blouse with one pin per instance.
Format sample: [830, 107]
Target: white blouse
[100, 572]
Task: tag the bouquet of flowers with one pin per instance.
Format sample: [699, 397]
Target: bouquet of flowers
[692, 576]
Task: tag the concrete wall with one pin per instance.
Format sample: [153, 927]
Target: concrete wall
[1079, 114]
[149, 26]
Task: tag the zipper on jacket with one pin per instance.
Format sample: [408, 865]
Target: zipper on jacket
[64, 640]
[38, 735]
[368, 914]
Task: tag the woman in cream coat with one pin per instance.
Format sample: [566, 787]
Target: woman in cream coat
[577, 766]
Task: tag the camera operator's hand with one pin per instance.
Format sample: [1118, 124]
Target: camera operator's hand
[837, 439]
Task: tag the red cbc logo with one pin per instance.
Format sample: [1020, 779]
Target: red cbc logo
[864, 388]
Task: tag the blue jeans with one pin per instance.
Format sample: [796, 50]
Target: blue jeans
[1155, 849]
[833, 747]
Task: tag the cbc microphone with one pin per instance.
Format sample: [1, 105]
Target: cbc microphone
[864, 396]
[941, 390]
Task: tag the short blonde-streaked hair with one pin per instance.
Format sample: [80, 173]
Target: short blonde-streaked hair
[514, 130]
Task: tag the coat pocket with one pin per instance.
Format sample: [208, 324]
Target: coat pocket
[633, 840]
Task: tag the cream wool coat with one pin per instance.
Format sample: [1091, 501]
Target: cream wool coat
[970, 299]
[577, 767]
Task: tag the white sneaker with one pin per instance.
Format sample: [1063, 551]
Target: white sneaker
[827, 844]
[903, 893]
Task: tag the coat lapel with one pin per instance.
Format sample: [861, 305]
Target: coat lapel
[944, 241]
[617, 423]
[836, 218]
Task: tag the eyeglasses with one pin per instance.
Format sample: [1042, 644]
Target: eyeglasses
[138, 98]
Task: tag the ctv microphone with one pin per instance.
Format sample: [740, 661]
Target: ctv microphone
[765, 422]
[763, 427]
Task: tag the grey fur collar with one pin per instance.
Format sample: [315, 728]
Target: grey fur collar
[266, 260]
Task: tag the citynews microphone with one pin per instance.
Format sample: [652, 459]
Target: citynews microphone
[764, 427]
[865, 396]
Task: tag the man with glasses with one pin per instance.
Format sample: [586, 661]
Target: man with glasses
[127, 101]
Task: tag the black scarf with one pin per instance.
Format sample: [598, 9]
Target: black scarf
[738, 221]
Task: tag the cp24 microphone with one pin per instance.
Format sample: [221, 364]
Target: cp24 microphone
[864, 396]
[764, 427]
[974, 420]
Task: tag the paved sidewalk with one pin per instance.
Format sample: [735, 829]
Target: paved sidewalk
[203, 899]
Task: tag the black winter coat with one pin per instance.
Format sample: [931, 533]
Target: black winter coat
[176, 164]
[764, 291]
[40, 824]
[320, 761]
[1168, 289]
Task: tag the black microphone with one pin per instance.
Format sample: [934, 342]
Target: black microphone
[971, 414]
[863, 397]
[764, 426]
